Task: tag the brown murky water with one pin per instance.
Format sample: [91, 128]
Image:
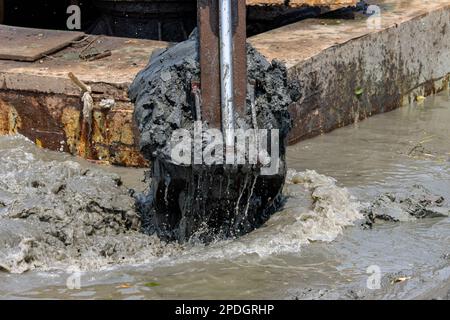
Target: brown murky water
[305, 252]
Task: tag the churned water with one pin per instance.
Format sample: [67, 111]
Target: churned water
[366, 217]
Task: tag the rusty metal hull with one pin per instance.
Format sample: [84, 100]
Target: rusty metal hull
[54, 121]
[39, 100]
[347, 73]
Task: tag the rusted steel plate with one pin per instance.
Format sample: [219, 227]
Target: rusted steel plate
[208, 26]
[109, 76]
[56, 122]
[240, 58]
[38, 100]
[25, 44]
[300, 3]
[208, 22]
[323, 3]
[264, 2]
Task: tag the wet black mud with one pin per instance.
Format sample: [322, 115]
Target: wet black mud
[201, 202]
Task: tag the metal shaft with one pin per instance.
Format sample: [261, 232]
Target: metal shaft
[226, 69]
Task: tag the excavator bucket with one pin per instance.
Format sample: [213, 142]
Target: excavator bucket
[233, 93]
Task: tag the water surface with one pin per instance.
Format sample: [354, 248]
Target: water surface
[301, 253]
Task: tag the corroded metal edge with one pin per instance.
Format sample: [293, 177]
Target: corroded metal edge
[55, 122]
[372, 74]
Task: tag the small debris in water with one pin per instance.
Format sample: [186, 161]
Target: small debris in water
[152, 284]
[416, 203]
[400, 279]
[420, 99]
[359, 92]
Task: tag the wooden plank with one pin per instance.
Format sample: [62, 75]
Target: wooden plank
[25, 44]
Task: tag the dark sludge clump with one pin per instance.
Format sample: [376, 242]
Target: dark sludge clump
[206, 202]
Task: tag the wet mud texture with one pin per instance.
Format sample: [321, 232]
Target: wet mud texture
[58, 214]
[417, 202]
[206, 203]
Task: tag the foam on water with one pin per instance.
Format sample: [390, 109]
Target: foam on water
[317, 209]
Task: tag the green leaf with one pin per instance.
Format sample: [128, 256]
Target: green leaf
[151, 284]
[359, 91]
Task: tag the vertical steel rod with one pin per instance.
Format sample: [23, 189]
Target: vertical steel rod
[226, 69]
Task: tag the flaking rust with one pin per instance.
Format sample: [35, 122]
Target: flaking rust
[56, 121]
[332, 4]
[9, 119]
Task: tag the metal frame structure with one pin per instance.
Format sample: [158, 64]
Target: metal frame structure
[223, 61]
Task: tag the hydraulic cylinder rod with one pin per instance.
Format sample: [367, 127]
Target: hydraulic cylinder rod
[226, 70]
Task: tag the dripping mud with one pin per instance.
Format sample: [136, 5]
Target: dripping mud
[385, 206]
[206, 202]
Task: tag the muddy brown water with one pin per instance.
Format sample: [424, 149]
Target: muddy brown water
[304, 251]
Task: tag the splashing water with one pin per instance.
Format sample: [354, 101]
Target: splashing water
[55, 213]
